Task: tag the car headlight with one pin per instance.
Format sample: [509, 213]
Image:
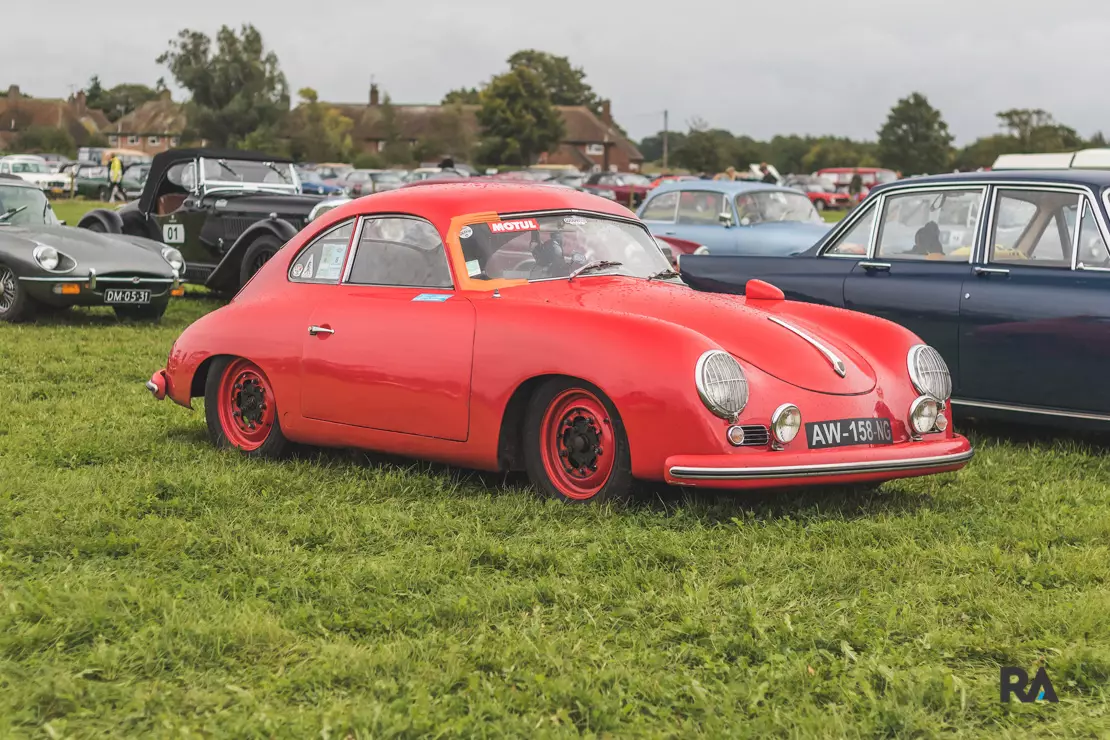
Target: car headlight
[47, 257]
[924, 412]
[721, 384]
[929, 373]
[177, 262]
[786, 422]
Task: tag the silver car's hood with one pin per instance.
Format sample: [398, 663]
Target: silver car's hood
[106, 253]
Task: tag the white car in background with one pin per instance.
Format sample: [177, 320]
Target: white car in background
[35, 170]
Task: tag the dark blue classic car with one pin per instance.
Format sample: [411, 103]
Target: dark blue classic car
[1006, 273]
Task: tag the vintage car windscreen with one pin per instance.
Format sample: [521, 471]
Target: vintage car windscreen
[243, 172]
[554, 246]
[768, 206]
[25, 207]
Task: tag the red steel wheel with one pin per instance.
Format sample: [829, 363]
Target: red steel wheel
[575, 445]
[241, 408]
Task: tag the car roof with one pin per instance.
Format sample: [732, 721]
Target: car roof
[731, 187]
[1089, 178]
[17, 181]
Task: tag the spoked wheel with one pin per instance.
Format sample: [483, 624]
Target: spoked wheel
[15, 304]
[257, 254]
[575, 446]
[241, 410]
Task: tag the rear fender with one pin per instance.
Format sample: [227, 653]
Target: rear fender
[110, 221]
[226, 275]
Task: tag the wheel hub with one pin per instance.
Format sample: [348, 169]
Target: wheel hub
[249, 402]
[580, 443]
[7, 289]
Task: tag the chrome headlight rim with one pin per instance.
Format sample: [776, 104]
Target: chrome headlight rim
[779, 416]
[59, 263]
[920, 403]
[920, 384]
[174, 258]
[710, 403]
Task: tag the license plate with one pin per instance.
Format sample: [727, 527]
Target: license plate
[127, 296]
[847, 432]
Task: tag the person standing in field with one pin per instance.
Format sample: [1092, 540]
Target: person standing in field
[855, 187]
[115, 178]
[768, 176]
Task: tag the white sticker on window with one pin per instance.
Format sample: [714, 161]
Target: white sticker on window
[466, 232]
[173, 233]
[473, 268]
[331, 262]
[308, 267]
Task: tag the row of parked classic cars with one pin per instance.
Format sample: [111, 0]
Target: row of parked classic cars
[987, 293]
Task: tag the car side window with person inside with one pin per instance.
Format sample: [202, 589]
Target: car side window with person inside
[855, 241]
[1093, 250]
[930, 225]
[399, 252]
[322, 260]
[1033, 227]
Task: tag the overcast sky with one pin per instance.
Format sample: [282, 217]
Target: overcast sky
[757, 67]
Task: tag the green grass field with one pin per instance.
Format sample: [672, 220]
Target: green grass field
[151, 586]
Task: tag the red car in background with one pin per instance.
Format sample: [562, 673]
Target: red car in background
[627, 188]
[668, 178]
[822, 192]
[841, 177]
[504, 326]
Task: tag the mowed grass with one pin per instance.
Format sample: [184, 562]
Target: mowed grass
[71, 210]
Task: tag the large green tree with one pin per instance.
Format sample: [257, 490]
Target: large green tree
[565, 83]
[464, 95]
[915, 139]
[518, 119]
[45, 139]
[118, 101]
[237, 86]
[318, 132]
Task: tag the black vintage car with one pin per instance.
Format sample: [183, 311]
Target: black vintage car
[226, 211]
[45, 265]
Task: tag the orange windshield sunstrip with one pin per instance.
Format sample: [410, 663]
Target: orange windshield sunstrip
[458, 260]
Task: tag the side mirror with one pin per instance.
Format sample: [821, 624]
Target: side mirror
[725, 218]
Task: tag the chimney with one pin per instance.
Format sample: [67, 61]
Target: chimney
[165, 95]
[373, 94]
[79, 103]
[606, 113]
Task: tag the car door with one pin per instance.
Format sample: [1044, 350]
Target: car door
[1035, 316]
[919, 262]
[392, 349]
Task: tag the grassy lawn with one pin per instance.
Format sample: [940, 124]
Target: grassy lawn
[153, 587]
[71, 210]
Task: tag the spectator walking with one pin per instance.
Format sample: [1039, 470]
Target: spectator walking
[115, 178]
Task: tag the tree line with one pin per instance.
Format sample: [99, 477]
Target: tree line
[239, 98]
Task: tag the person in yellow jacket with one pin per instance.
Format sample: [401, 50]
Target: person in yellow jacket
[115, 178]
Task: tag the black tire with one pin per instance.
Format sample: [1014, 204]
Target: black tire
[275, 444]
[15, 304]
[543, 416]
[149, 312]
[819, 205]
[258, 253]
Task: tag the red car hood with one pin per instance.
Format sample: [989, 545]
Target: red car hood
[745, 331]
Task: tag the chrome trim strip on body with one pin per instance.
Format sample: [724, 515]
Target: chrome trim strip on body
[1031, 410]
[93, 279]
[814, 471]
[836, 362]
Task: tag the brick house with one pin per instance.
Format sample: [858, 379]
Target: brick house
[18, 113]
[153, 127]
[590, 142]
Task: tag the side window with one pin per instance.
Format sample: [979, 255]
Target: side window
[661, 207]
[855, 241]
[400, 252]
[930, 225]
[322, 260]
[701, 207]
[1033, 227]
[1093, 251]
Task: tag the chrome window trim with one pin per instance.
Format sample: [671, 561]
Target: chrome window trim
[986, 257]
[844, 227]
[674, 212]
[1103, 230]
[312, 243]
[881, 221]
[356, 239]
[1031, 410]
[809, 471]
[1080, 212]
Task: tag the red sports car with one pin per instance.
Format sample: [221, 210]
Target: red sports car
[507, 326]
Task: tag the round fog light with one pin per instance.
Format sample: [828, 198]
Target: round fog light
[923, 414]
[942, 421]
[735, 436]
[786, 422]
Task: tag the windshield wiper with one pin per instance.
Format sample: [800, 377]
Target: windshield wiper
[11, 212]
[663, 275]
[591, 266]
[223, 163]
[281, 174]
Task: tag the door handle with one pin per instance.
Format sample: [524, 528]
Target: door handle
[314, 330]
[990, 271]
[876, 266]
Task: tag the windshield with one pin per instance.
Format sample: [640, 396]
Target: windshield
[29, 167]
[635, 180]
[547, 247]
[775, 206]
[36, 208]
[243, 172]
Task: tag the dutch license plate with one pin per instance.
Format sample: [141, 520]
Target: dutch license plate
[127, 296]
[847, 432]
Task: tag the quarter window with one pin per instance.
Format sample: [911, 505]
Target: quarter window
[1033, 227]
[400, 252]
[661, 207]
[930, 225]
[855, 241]
[1093, 251]
[701, 207]
[322, 260]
